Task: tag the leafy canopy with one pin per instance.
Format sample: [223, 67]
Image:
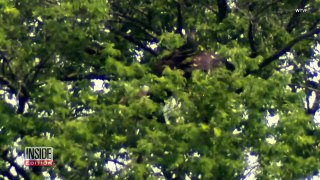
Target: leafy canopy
[54, 54]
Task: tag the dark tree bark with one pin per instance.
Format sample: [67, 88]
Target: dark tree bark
[223, 9]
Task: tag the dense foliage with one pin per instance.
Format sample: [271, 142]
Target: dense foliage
[139, 125]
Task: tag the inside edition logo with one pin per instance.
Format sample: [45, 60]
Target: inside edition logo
[38, 156]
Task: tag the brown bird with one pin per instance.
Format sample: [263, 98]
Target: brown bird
[188, 58]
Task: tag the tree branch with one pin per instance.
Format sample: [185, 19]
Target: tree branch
[179, 19]
[10, 160]
[22, 99]
[251, 40]
[314, 25]
[20, 92]
[78, 77]
[136, 25]
[8, 174]
[294, 20]
[266, 7]
[310, 86]
[281, 52]
[286, 48]
[136, 42]
[315, 87]
[223, 9]
[122, 14]
[5, 81]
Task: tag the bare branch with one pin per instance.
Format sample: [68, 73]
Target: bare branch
[179, 19]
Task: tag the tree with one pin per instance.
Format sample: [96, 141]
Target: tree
[144, 125]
